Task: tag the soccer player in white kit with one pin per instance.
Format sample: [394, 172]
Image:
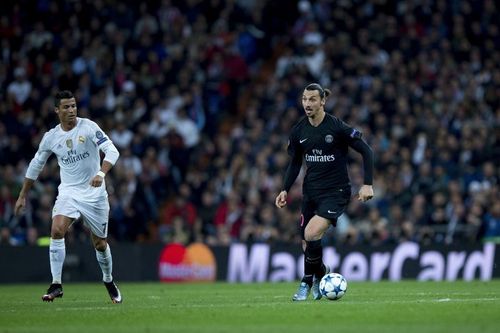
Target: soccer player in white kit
[82, 193]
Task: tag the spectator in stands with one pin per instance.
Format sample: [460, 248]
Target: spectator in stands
[229, 215]
[491, 224]
[19, 90]
[181, 207]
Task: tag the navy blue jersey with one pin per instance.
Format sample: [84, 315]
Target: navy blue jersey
[324, 149]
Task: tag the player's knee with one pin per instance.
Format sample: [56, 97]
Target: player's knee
[100, 245]
[57, 232]
[312, 233]
[315, 229]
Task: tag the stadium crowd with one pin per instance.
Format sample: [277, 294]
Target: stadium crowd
[199, 97]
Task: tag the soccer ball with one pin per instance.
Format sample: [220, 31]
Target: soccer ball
[333, 286]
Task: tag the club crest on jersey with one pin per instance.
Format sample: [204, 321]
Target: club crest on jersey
[81, 139]
[329, 138]
[69, 143]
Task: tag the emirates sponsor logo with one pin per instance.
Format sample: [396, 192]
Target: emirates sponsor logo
[72, 157]
[319, 157]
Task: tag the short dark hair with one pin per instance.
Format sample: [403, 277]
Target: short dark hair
[63, 94]
[323, 93]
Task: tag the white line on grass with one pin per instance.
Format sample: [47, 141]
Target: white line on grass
[85, 308]
[346, 302]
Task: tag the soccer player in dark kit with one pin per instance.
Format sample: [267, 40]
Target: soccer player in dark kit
[323, 141]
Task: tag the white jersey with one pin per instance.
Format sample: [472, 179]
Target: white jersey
[78, 157]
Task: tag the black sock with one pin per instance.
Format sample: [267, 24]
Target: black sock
[320, 272]
[313, 260]
[308, 279]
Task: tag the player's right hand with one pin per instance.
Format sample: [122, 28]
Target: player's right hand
[96, 181]
[20, 204]
[281, 199]
[365, 193]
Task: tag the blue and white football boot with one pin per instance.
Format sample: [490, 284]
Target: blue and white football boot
[302, 292]
[315, 287]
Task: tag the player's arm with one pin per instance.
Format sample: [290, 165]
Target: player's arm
[35, 167]
[111, 155]
[21, 200]
[291, 174]
[366, 191]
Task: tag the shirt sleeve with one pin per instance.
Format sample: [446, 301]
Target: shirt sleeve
[366, 152]
[354, 139]
[295, 151]
[104, 143]
[98, 136]
[294, 147]
[348, 133]
[111, 154]
[37, 163]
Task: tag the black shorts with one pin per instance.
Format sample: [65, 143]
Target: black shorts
[329, 205]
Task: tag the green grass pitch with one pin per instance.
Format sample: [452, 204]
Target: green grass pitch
[406, 307]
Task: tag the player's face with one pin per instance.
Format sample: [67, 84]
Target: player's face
[312, 103]
[67, 110]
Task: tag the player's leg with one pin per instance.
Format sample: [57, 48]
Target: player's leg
[57, 254]
[105, 260]
[313, 233]
[313, 257]
[329, 209]
[304, 288]
[96, 217]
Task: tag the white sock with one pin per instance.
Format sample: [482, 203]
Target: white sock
[106, 262]
[57, 253]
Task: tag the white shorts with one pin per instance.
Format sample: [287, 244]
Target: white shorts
[95, 213]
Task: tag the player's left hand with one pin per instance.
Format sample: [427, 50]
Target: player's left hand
[365, 193]
[20, 205]
[280, 201]
[96, 181]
